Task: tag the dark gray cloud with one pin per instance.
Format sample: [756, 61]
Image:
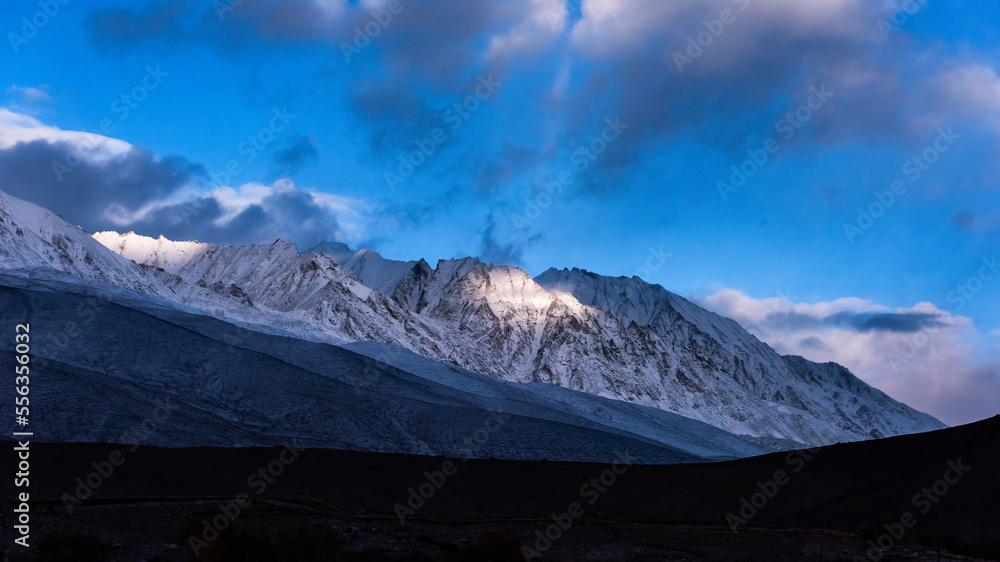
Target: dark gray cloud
[42, 173]
[732, 95]
[116, 30]
[293, 157]
[101, 196]
[436, 36]
[973, 221]
[492, 172]
[728, 98]
[964, 220]
[493, 251]
[815, 343]
[285, 214]
[908, 322]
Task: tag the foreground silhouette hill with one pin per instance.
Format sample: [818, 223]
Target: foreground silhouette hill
[334, 505]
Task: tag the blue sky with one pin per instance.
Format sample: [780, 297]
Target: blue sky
[539, 80]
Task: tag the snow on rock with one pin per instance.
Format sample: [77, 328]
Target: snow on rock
[616, 338]
[35, 241]
[159, 252]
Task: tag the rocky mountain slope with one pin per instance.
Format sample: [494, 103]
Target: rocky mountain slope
[613, 337]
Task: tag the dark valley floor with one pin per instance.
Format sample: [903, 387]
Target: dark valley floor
[822, 504]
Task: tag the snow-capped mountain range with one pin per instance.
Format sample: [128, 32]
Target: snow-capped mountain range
[619, 338]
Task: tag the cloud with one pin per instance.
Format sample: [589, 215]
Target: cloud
[290, 159]
[973, 221]
[617, 57]
[17, 128]
[425, 36]
[31, 95]
[539, 22]
[252, 214]
[907, 322]
[44, 172]
[492, 251]
[968, 89]
[102, 183]
[923, 356]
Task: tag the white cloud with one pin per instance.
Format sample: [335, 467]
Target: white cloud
[931, 368]
[350, 212]
[17, 127]
[32, 95]
[612, 25]
[335, 8]
[539, 22]
[972, 90]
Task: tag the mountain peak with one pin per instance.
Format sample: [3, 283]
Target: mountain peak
[156, 252]
[612, 336]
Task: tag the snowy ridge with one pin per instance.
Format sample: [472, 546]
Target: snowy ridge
[234, 388]
[371, 268]
[162, 253]
[627, 339]
[712, 356]
[34, 240]
[612, 337]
